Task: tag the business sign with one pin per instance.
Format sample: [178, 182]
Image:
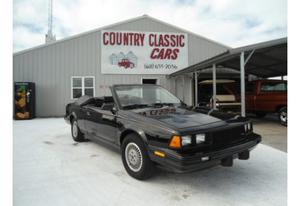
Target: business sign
[134, 52]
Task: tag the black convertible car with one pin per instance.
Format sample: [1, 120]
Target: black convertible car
[153, 127]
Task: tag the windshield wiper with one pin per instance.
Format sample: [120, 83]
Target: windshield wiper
[135, 106]
[162, 104]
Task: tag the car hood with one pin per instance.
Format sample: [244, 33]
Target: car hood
[179, 117]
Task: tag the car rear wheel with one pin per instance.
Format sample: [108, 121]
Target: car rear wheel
[76, 133]
[135, 158]
[283, 116]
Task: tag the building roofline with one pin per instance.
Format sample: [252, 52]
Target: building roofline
[113, 25]
[79, 35]
[187, 31]
[230, 53]
[259, 45]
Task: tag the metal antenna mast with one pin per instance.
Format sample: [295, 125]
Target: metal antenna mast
[49, 36]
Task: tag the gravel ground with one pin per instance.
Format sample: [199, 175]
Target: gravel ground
[50, 169]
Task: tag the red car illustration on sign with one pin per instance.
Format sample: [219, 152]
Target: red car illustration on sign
[126, 64]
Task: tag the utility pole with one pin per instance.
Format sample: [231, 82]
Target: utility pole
[49, 36]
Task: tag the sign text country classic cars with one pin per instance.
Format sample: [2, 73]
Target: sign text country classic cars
[135, 52]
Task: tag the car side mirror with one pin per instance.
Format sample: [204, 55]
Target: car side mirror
[183, 104]
[113, 110]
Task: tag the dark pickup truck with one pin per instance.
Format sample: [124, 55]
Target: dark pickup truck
[267, 96]
[151, 127]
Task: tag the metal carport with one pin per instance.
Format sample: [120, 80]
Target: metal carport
[265, 59]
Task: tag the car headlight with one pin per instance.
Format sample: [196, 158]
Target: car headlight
[200, 138]
[178, 141]
[186, 140]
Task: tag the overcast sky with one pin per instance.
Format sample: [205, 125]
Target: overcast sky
[231, 22]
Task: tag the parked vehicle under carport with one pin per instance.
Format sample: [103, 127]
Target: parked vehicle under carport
[267, 96]
[225, 94]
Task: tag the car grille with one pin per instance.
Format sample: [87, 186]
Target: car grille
[225, 138]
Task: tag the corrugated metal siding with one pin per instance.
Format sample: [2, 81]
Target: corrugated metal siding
[201, 49]
[51, 67]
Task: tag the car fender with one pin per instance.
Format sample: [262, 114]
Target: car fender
[73, 114]
[129, 130]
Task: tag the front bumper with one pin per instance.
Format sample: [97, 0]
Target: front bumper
[187, 163]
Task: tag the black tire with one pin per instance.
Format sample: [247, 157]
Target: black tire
[283, 116]
[77, 136]
[260, 114]
[146, 167]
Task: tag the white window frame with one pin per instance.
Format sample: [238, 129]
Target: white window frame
[82, 85]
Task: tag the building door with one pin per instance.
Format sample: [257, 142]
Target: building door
[149, 81]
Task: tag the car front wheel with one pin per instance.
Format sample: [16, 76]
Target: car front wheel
[76, 133]
[135, 158]
[283, 116]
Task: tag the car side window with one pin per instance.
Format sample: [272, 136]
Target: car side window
[274, 87]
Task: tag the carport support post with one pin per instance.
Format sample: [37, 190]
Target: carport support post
[196, 88]
[242, 77]
[214, 86]
[183, 86]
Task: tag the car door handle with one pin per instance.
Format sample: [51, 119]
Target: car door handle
[88, 113]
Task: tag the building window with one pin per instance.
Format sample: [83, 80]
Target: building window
[82, 86]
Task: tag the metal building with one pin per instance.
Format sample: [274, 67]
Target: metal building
[79, 64]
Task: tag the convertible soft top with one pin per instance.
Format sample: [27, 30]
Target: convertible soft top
[93, 100]
[82, 100]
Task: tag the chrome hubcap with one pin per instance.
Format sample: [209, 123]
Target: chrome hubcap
[75, 129]
[133, 156]
[283, 116]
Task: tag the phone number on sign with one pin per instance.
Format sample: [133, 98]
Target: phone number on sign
[160, 66]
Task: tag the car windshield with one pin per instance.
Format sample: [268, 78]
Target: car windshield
[137, 96]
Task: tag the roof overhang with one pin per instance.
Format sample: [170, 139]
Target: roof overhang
[266, 59]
